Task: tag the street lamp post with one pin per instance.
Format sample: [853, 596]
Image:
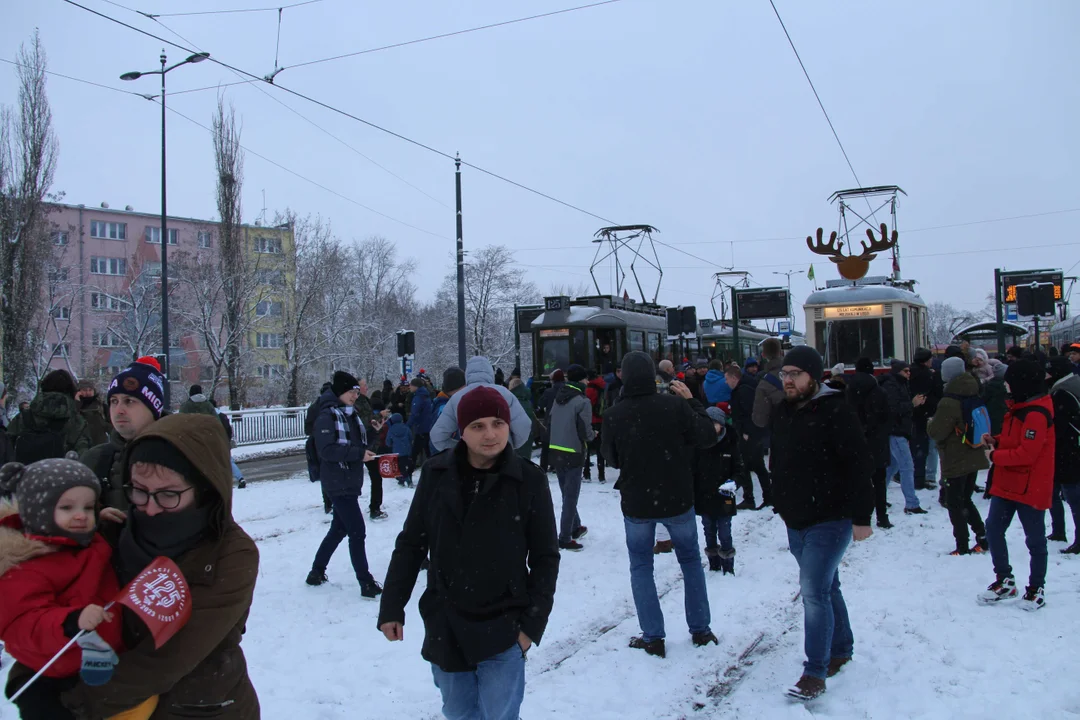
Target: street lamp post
[196, 58]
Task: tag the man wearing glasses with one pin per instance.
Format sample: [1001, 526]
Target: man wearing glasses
[822, 472]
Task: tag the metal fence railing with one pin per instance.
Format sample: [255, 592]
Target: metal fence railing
[255, 427]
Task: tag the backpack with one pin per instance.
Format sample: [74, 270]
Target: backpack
[975, 418]
[774, 381]
[312, 459]
[40, 443]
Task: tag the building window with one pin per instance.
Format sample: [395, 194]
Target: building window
[112, 370]
[273, 278]
[61, 350]
[269, 308]
[268, 340]
[268, 245]
[153, 235]
[60, 237]
[269, 372]
[206, 239]
[103, 301]
[152, 268]
[106, 339]
[57, 275]
[108, 266]
[108, 230]
[61, 313]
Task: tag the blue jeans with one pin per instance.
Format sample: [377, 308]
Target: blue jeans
[1071, 495]
[900, 462]
[717, 532]
[932, 462]
[827, 631]
[236, 474]
[348, 522]
[494, 691]
[640, 537]
[570, 486]
[998, 519]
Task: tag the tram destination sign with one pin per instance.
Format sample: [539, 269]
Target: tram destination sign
[1010, 280]
[762, 304]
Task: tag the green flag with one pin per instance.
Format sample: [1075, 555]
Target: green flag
[810, 274]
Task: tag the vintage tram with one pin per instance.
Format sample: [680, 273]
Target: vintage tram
[1065, 332]
[595, 331]
[879, 321]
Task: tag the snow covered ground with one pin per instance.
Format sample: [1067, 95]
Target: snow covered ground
[254, 452]
[923, 649]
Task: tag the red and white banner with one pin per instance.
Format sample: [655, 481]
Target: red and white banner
[388, 466]
[160, 597]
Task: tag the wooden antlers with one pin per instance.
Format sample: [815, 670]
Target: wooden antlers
[852, 267]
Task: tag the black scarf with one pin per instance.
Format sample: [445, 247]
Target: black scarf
[169, 533]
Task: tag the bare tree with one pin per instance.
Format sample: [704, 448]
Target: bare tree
[493, 285]
[51, 330]
[236, 287]
[28, 153]
[570, 290]
[136, 321]
[944, 320]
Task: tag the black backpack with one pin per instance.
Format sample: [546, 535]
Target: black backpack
[41, 443]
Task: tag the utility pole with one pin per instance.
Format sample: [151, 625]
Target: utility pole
[460, 271]
[998, 312]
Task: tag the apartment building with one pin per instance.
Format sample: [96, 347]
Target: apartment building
[103, 291]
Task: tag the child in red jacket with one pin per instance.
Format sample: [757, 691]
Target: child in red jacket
[55, 578]
[1022, 481]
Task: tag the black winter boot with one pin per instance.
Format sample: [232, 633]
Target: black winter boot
[713, 554]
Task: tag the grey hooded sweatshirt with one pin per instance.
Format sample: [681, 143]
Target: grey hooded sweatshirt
[571, 426]
[478, 371]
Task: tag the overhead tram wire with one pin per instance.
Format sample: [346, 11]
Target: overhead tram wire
[314, 124]
[452, 34]
[153, 16]
[344, 113]
[155, 99]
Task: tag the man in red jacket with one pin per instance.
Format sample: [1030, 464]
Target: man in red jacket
[1022, 481]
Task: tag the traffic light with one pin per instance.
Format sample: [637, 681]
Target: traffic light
[406, 343]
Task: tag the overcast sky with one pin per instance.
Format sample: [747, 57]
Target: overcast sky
[689, 115]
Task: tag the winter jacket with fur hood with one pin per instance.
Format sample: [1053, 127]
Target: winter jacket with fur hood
[43, 581]
[478, 371]
[201, 671]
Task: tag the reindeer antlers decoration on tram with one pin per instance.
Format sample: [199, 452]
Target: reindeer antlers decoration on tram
[852, 267]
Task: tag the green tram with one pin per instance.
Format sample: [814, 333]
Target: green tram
[595, 331]
[718, 342]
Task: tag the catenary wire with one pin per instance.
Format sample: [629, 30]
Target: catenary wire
[154, 16]
[451, 34]
[155, 99]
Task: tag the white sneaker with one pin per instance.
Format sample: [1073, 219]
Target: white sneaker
[1033, 599]
[998, 590]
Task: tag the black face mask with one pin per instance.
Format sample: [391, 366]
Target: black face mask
[170, 534]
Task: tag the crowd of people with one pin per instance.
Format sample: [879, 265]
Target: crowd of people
[97, 494]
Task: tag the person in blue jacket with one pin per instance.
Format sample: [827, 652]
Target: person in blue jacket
[421, 418]
[400, 439]
[716, 387]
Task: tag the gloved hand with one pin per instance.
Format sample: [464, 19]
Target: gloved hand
[98, 659]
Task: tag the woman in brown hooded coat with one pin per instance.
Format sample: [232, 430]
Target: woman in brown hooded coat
[179, 482]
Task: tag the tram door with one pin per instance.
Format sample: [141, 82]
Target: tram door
[607, 349]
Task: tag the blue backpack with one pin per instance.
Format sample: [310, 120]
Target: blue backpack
[975, 417]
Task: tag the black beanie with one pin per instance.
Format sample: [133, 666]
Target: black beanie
[453, 378]
[922, 355]
[143, 381]
[898, 366]
[343, 382]
[158, 451]
[1025, 379]
[806, 358]
[195, 390]
[864, 365]
[1059, 367]
[576, 373]
[59, 381]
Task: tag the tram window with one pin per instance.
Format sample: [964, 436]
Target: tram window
[654, 346]
[605, 348]
[579, 349]
[637, 340]
[849, 340]
[888, 341]
[906, 349]
[554, 354]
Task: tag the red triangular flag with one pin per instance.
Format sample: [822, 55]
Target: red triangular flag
[388, 466]
[625, 295]
[160, 597]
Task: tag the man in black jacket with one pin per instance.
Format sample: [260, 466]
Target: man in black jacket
[652, 438]
[901, 410]
[871, 405]
[926, 382]
[486, 519]
[821, 468]
[341, 443]
[751, 439]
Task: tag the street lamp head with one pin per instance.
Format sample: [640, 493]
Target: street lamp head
[198, 57]
[131, 76]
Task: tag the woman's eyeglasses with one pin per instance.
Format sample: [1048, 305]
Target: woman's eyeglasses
[165, 499]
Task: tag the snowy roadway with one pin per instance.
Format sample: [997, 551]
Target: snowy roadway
[923, 648]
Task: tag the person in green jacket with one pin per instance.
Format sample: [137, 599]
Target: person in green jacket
[52, 426]
[960, 463]
[197, 403]
[518, 389]
[89, 403]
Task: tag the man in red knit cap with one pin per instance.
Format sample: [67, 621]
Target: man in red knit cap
[485, 518]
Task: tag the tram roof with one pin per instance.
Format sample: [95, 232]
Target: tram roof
[863, 294]
[989, 329]
[745, 332]
[1066, 323]
[599, 317]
